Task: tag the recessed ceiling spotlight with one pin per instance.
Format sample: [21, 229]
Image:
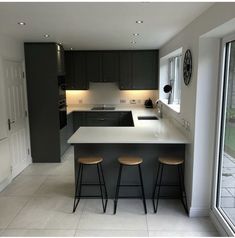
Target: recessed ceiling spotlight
[136, 34]
[46, 35]
[21, 23]
[139, 21]
[133, 42]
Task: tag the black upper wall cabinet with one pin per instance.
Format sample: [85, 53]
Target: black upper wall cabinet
[139, 70]
[110, 66]
[132, 70]
[76, 76]
[93, 66]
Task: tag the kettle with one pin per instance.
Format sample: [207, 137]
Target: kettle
[148, 103]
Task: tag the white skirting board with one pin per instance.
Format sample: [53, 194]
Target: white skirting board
[199, 212]
[5, 183]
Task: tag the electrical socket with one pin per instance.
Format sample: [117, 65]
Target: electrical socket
[132, 101]
[122, 101]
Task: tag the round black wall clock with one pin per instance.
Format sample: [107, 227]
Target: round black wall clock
[187, 67]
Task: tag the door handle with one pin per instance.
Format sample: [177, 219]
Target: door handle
[9, 123]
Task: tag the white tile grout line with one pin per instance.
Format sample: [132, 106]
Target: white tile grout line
[82, 211]
[18, 212]
[30, 198]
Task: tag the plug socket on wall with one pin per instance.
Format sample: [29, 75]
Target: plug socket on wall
[132, 101]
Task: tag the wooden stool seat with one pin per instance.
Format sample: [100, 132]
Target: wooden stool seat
[130, 160]
[90, 160]
[171, 160]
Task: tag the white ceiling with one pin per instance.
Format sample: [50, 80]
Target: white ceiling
[98, 25]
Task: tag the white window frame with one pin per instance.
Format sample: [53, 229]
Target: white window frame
[219, 214]
[175, 78]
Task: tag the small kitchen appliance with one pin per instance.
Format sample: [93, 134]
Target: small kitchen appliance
[148, 103]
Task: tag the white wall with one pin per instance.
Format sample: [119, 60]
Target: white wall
[108, 93]
[11, 50]
[198, 101]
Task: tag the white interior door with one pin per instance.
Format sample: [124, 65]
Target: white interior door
[17, 115]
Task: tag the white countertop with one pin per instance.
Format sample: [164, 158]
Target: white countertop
[144, 131]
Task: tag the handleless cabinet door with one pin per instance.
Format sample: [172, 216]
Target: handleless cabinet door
[93, 66]
[76, 78]
[110, 66]
[144, 70]
[125, 61]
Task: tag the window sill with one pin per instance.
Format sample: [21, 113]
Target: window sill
[174, 107]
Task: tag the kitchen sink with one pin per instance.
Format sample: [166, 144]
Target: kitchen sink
[147, 118]
[103, 108]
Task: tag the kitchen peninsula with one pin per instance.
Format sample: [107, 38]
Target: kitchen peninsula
[147, 138]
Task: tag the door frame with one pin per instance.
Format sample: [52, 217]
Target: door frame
[220, 215]
[22, 62]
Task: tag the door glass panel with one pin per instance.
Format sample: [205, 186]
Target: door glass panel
[226, 188]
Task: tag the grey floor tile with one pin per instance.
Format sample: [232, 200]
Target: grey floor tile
[48, 213]
[43, 169]
[182, 234]
[23, 186]
[37, 233]
[172, 212]
[9, 208]
[130, 216]
[57, 186]
[111, 233]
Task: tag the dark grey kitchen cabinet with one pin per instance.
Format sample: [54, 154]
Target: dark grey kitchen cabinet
[102, 66]
[110, 66]
[125, 119]
[101, 119]
[144, 70]
[138, 70]
[70, 129]
[79, 119]
[41, 62]
[75, 63]
[93, 66]
[125, 71]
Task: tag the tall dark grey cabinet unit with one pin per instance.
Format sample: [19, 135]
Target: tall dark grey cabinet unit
[44, 63]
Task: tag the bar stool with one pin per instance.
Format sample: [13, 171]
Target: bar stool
[170, 161]
[88, 161]
[129, 161]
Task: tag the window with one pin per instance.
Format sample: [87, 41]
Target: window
[174, 76]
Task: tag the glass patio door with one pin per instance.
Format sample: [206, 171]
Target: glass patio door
[225, 189]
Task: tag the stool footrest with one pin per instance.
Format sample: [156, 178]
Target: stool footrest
[168, 185]
[88, 196]
[91, 184]
[129, 185]
[126, 197]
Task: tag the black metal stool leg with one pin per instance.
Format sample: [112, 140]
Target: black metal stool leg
[180, 169]
[105, 189]
[142, 188]
[76, 199]
[155, 187]
[117, 189]
[101, 190]
[159, 186]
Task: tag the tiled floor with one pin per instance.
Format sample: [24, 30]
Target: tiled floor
[39, 203]
[228, 187]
